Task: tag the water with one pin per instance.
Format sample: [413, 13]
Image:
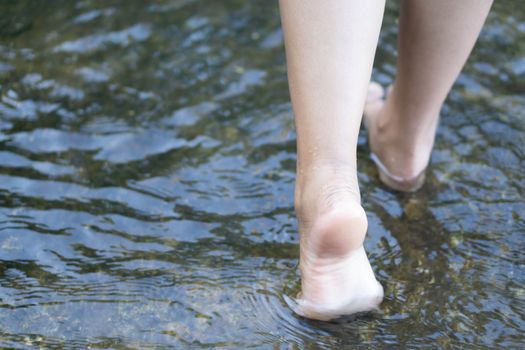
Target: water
[147, 157]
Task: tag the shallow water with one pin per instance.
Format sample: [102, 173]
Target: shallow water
[147, 157]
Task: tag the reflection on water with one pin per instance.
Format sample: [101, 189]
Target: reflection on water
[146, 175]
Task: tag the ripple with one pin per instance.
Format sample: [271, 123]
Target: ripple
[135, 33]
[117, 148]
[276, 320]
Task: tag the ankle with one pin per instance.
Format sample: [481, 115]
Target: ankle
[403, 140]
[332, 222]
[320, 187]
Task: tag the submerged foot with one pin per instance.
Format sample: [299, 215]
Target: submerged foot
[336, 276]
[400, 161]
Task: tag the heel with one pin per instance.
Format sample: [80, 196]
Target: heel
[396, 182]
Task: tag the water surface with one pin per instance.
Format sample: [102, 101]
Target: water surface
[147, 158]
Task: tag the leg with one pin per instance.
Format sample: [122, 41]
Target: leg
[330, 48]
[435, 40]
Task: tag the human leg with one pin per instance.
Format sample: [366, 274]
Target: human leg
[330, 47]
[435, 39]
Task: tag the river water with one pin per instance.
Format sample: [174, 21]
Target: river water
[147, 158]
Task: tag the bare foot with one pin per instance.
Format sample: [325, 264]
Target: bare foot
[401, 159]
[337, 278]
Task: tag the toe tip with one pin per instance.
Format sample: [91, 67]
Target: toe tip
[375, 91]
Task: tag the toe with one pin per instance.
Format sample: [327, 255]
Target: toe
[375, 92]
[374, 103]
